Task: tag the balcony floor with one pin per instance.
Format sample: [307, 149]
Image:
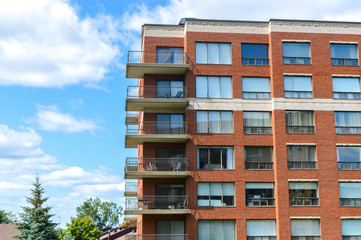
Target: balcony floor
[157, 105]
[157, 212]
[156, 174]
[132, 141]
[137, 70]
[130, 193]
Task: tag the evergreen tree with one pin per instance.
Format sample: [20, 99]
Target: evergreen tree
[35, 223]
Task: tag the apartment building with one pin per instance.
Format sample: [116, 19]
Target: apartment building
[245, 130]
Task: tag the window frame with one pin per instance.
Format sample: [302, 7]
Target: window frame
[266, 130]
[266, 95]
[351, 130]
[302, 129]
[343, 60]
[296, 58]
[355, 95]
[222, 195]
[301, 164]
[208, 122]
[219, 53]
[301, 192]
[220, 87]
[209, 157]
[295, 91]
[223, 227]
[265, 61]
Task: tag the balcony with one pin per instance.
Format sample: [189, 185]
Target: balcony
[302, 165]
[304, 201]
[350, 202]
[153, 131]
[152, 62]
[157, 237]
[142, 205]
[131, 189]
[349, 165]
[131, 118]
[139, 168]
[157, 99]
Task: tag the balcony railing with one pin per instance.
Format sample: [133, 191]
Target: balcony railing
[131, 114]
[255, 61]
[346, 95]
[353, 237]
[348, 130]
[260, 202]
[157, 127]
[256, 95]
[300, 129]
[344, 61]
[304, 201]
[156, 92]
[131, 187]
[156, 164]
[296, 60]
[260, 165]
[302, 165]
[349, 165]
[257, 130]
[261, 237]
[350, 201]
[305, 238]
[298, 94]
[156, 202]
[157, 57]
[157, 237]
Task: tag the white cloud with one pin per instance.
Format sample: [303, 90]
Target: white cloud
[43, 43]
[49, 118]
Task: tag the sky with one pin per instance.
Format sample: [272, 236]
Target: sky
[63, 87]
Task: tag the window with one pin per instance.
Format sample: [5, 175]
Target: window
[213, 87]
[303, 193]
[296, 53]
[351, 229]
[346, 88]
[256, 88]
[299, 122]
[170, 89]
[216, 230]
[170, 55]
[215, 158]
[167, 159]
[301, 157]
[215, 194]
[350, 194]
[344, 54]
[258, 158]
[349, 158]
[170, 228]
[170, 124]
[348, 122]
[213, 53]
[257, 123]
[261, 230]
[305, 229]
[214, 122]
[254, 54]
[260, 194]
[298, 87]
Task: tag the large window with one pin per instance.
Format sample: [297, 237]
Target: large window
[260, 194]
[215, 194]
[170, 55]
[257, 122]
[348, 122]
[261, 230]
[349, 158]
[215, 158]
[258, 158]
[344, 54]
[170, 124]
[351, 229]
[170, 228]
[213, 87]
[296, 53]
[169, 89]
[298, 86]
[350, 193]
[256, 88]
[303, 193]
[216, 230]
[346, 88]
[254, 54]
[213, 53]
[301, 157]
[305, 229]
[299, 122]
[214, 122]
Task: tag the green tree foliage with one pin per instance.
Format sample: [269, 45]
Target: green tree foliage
[35, 223]
[132, 223]
[7, 217]
[81, 229]
[104, 214]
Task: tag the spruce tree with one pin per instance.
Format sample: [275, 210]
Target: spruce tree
[35, 222]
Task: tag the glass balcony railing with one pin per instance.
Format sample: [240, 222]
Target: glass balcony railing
[296, 60]
[344, 61]
[257, 130]
[256, 95]
[300, 129]
[305, 238]
[260, 202]
[302, 165]
[348, 130]
[350, 201]
[261, 238]
[349, 165]
[346, 95]
[156, 92]
[131, 187]
[255, 61]
[157, 237]
[259, 165]
[156, 164]
[298, 94]
[157, 57]
[154, 127]
[156, 202]
[304, 201]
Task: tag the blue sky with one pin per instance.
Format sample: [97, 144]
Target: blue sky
[63, 86]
